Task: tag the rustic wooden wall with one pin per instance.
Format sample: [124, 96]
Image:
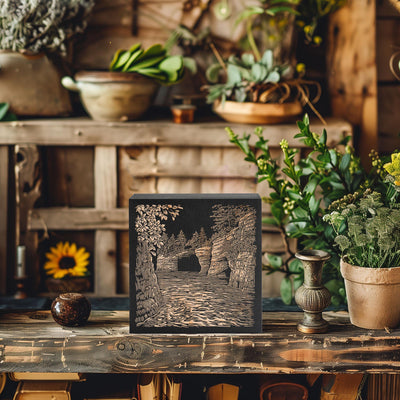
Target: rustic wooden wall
[388, 43]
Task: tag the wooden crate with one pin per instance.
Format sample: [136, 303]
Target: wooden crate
[122, 159]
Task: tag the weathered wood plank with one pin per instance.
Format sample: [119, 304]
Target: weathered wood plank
[389, 118]
[351, 67]
[33, 342]
[78, 219]
[388, 39]
[105, 175]
[85, 132]
[69, 176]
[6, 241]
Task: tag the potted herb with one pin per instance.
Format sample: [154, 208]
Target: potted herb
[33, 42]
[367, 228]
[126, 91]
[259, 92]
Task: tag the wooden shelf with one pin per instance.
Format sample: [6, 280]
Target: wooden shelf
[33, 342]
[86, 132]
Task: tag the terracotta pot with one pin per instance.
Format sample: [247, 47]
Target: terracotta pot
[113, 96]
[372, 295]
[257, 113]
[31, 85]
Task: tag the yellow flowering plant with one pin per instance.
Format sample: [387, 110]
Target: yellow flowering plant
[66, 260]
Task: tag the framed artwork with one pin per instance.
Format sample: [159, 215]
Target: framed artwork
[195, 263]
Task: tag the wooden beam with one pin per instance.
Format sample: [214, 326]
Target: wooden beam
[78, 219]
[352, 71]
[6, 241]
[84, 219]
[105, 197]
[85, 132]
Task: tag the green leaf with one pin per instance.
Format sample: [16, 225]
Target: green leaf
[333, 155]
[258, 72]
[135, 47]
[275, 261]
[334, 285]
[3, 110]
[171, 64]
[156, 50]
[311, 185]
[268, 59]
[345, 162]
[323, 137]
[248, 59]
[190, 64]
[286, 290]
[314, 205]
[120, 58]
[298, 281]
[296, 266]
[234, 76]
[132, 57]
[269, 221]
[273, 77]
[144, 63]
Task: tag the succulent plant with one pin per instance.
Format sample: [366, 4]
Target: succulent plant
[247, 79]
[153, 62]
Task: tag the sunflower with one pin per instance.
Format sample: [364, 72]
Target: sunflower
[65, 260]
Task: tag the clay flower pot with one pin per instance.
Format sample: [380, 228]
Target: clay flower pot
[372, 296]
[113, 96]
[257, 113]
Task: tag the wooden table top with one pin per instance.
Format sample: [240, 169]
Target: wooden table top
[32, 342]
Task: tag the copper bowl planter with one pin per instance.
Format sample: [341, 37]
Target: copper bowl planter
[373, 296]
[113, 96]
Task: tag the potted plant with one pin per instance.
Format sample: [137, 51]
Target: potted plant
[367, 228]
[259, 92]
[328, 201]
[33, 42]
[126, 91]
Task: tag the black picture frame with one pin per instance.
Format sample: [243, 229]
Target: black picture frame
[195, 263]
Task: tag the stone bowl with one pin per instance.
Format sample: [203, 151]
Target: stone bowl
[113, 96]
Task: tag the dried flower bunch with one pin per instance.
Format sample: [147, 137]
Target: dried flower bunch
[41, 25]
[368, 231]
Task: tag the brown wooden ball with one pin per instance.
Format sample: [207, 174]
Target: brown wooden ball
[71, 309]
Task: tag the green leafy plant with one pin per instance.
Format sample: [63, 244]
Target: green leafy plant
[41, 26]
[153, 62]
[301, 191]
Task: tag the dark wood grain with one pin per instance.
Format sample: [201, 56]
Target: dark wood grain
[34, 342]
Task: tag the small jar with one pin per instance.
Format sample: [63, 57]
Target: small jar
[71, 309]
[183, 113]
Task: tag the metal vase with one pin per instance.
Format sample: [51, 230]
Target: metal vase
[312, 297]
